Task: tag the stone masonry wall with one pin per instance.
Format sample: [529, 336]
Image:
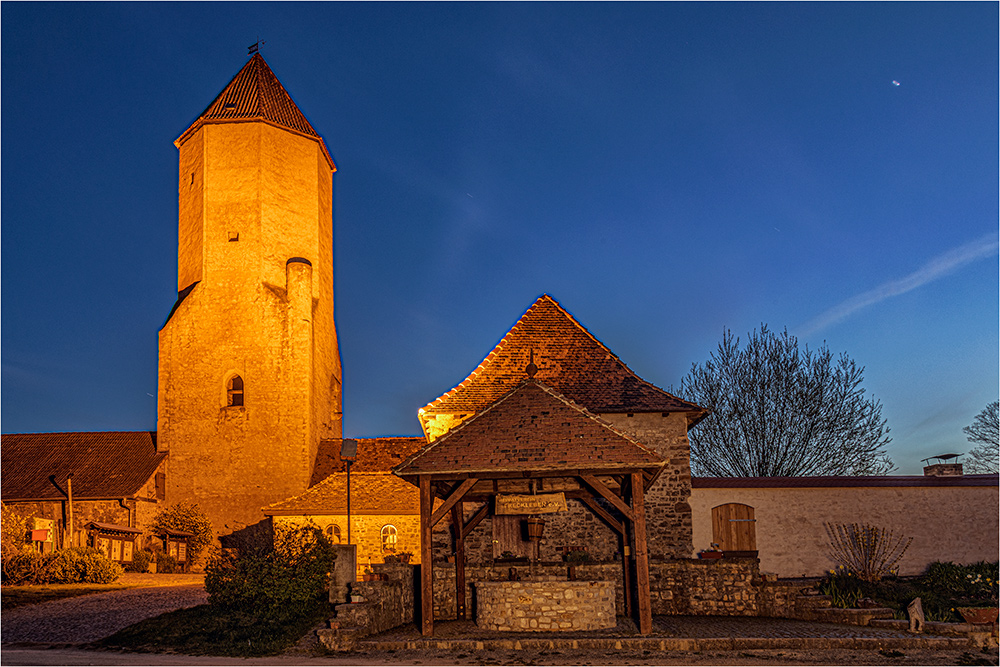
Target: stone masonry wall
[545, 606]
[668, 514]
[444, 582]
[705, 587]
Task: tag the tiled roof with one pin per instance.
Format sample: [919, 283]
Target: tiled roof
[840, 481]
[371, 493]
[374, 455]
[569, 359]
[531, 428]
[103, 464]
[256, 94]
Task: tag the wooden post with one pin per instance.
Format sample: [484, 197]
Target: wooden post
[641, 556]
[426, 558]
[458, 523]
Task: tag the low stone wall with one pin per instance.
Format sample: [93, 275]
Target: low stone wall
[705, 587]
[385, 605]
[541, 606]
[444, 581]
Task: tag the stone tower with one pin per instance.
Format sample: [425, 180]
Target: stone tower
[249, 368]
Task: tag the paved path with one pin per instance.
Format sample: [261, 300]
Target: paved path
[87, 618]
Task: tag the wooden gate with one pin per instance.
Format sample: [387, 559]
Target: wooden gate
[733, 527]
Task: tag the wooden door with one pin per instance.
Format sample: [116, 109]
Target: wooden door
[733, 527]
[508, 536]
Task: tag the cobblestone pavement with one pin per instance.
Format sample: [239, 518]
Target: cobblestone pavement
[88, 618]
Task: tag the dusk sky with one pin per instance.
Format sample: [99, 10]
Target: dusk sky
[665, 171]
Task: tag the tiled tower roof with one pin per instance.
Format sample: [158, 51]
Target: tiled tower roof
[531, 428]
[256, 94]
[569, 359]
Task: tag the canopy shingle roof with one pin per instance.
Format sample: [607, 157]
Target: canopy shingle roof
[371, 493]
[103, 464]
[256, 94]
[374, 455]
[569, 359]
[531, 428]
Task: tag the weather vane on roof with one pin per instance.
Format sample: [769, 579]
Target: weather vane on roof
[255, 47]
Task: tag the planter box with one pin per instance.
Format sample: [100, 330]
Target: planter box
[979, 615]
[710, 555]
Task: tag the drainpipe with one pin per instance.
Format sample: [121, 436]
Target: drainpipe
[69, 494]
[128, 509]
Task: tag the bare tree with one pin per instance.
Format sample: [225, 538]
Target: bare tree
[780, 411]
[985, 432]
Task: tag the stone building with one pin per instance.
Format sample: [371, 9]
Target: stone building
[249, 368]
[65, 481]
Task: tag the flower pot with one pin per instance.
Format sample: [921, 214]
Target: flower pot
[710, 555]
[979, 615]
[535, 528]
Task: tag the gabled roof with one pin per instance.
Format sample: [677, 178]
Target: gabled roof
[374, 455]
[531, 428]
[569, 359]
[371, 493]
[256, 94]
[103, 464]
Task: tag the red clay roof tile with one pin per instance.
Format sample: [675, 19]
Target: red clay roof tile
[371, 493]
[103, 464]
[569, 359]
[374, 455]
[531, 428]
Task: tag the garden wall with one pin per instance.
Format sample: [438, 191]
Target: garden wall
[949, 518]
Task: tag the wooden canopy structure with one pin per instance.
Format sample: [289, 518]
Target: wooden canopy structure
[534, 440]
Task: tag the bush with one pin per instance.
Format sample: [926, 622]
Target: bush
[141, 558]
[190, 519]
[283, 580]
[70, 566]
[868, 552]
[13, 531]
[165, 563]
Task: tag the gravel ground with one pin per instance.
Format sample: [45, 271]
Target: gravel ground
[91, 617]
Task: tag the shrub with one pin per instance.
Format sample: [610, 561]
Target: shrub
[190, 519]
[13, 531]
[70, 566]
[869, 552]
[141, 558]
[165, 563]
[284, 580]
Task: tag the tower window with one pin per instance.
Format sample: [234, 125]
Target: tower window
[234, 391]
[234, 236]
[388, 537]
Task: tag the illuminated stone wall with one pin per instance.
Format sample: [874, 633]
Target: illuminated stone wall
[251, 197]
[668, 514]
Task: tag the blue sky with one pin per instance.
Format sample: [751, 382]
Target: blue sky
[665, 171]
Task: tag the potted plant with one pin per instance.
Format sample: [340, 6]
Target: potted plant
[575, 557]
[405, 557]
[713, 552]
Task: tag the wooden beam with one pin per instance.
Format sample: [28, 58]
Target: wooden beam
[457, 522]
[426, 558]
[603, 513]
[476, 519]
[641, 557]
[455, 496]
[598, 485]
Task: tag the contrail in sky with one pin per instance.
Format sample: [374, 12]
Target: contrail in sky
[938, 267]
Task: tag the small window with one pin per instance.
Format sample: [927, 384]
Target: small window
[333, 532]
[234, 236]
[388, 538]
[234, 391]
[161, 486]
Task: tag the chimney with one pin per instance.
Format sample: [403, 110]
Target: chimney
[943, 470]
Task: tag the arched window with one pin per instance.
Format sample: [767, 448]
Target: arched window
[333, 532]
[234, 391]
[388, 537]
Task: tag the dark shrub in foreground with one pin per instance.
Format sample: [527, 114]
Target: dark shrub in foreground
[284, 579]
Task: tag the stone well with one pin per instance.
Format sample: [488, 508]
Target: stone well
[544, 606]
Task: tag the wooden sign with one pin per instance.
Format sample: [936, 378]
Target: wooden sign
[545, 503]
